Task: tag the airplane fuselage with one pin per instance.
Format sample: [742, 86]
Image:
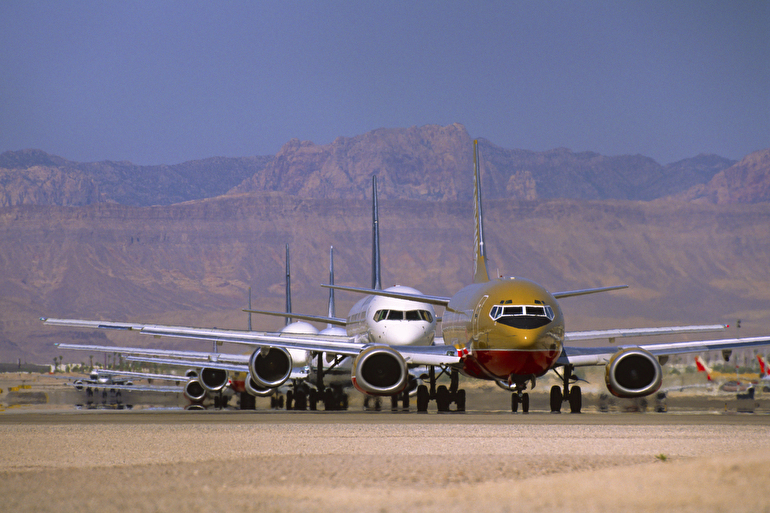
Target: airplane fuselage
[512, 327]
[395, 322]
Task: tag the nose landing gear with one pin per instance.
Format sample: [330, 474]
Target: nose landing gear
[571, 394]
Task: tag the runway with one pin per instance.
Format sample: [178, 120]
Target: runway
[382, 461]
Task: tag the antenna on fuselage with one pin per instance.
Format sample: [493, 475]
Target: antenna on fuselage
[331, 282]
[480, 274]
[288, 286]
[376, 265]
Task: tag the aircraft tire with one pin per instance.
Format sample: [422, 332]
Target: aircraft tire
[405, 401]
[300, 401]
[575, 400]
[556, 399]
[460, 400]
[313, 400]
[514, 402]
[442, 398]
[422, 399]
[524, 403]
[394, 402]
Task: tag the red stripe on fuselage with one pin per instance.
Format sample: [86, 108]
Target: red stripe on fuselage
[501, 363]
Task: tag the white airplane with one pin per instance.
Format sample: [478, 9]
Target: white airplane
[381, 320]
[508, 330]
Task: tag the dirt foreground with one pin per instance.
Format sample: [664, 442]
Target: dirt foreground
[131, 461]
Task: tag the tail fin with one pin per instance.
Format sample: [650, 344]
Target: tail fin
[331, 282]
[702, 367]
[480, 274]
[762, 365]
[376, 265]
[288, 286]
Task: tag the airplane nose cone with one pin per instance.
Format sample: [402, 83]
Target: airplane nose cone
[407, 333]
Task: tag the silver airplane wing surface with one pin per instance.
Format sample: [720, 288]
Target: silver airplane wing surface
[581, 356]
[134, 388]
[335, 344]
[144, 375]
[640, 332]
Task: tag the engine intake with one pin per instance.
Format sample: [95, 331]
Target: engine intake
[379, 370]
[255, 389]
[633, 372]
[213, 380]
[194, 391]
[270, 367]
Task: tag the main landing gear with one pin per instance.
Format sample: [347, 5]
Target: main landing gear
[443, 396]
[566, 393]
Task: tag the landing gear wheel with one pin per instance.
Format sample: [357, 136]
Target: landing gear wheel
[460, 400]
[422, 398]
[514, 402]
[556, 399]
[524, 403]
[442, 399]
[405, 401]
[300, 401]
[313, 400]
[575, 400]
[394, 402]
[289, 399]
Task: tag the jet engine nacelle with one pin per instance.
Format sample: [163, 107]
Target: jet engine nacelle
[379, 370]
[255, 389]
[270, 367]
[633, 372]
[213, 380]
[194, 391]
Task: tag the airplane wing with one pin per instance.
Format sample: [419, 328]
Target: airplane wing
[134, 388]
[640, 332]
[334, 344]
[143, 375]
[581, 356]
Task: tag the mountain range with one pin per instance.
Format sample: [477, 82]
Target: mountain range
[182, 244]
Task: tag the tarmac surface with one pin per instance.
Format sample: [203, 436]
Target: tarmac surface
[702, 455]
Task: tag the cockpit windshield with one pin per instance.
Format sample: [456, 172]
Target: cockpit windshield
[398, 315]
[525, 317]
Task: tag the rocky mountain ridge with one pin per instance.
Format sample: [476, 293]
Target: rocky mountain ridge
[428, 163]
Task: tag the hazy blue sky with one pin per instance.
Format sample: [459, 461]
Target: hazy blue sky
[164, 82]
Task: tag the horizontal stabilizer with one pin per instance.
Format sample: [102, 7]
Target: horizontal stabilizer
[583, 292]
[422, 298]
[312, 318]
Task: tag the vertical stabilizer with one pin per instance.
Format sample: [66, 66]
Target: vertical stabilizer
[332, 312]
[288, 286]
[376, 266]
[480, 274]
